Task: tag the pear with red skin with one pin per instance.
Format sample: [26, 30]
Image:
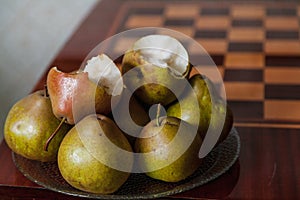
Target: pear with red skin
[89, 90]
[75, 90]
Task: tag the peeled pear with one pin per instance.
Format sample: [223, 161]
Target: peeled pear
[29, 124]
[203, 89]
[90, 156]
[156, 68]
[78, 94]
[170, 149]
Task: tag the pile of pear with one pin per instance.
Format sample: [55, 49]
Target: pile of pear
[59, 124]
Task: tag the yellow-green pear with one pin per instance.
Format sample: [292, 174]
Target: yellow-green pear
[156, 68]
[184, 109]
[91, 156]
[169, 149]
[28, 126]
[130, 115]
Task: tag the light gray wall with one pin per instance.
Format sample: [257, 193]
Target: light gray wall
[31, 34]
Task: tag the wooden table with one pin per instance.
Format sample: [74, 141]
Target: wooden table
[257, 51]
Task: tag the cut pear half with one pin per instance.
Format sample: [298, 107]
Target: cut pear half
[103, 71]
[165, 52]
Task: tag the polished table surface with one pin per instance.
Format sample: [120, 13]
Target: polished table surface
[256, 48]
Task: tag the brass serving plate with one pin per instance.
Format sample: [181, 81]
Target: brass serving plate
[138, 186]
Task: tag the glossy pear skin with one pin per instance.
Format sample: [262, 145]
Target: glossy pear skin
[160, 81]
[157, 137]
[79, 166]
[215, 119]
[29, 124]
[203, 88]
[74, 90]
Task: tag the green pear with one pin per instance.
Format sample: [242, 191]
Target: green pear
[29, 124]
[156, 67]
[91, 154]
[203, 89]
[222, 112]
[130, 115]
[173, 149]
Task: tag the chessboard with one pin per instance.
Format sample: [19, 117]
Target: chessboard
[255, 47]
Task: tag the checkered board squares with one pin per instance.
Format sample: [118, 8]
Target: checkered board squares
[274, 75]
[255, 46]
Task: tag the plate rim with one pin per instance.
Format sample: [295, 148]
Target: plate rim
[169, 192]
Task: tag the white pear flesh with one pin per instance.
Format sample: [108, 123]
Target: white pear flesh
[163, 51]
[103, 71]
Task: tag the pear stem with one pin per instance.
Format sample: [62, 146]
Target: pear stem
[53, 134]
[46, 91]
[157, 114]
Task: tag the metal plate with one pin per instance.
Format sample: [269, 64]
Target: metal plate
[138, 186]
